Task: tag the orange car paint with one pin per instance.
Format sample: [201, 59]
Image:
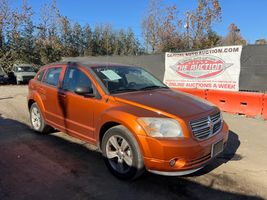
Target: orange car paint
[84, 118]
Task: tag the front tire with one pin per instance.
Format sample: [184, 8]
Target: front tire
[122, 154]
[37, 121]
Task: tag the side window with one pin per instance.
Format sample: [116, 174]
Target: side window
[40, 75]
[74, 78]
[52, 76]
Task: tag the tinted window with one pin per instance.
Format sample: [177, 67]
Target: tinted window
[52, 76]
[40, 75]
[73, 78]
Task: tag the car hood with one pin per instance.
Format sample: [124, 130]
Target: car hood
[166, 100]
[25, 73]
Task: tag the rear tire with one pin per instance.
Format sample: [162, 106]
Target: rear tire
[122, 154]
[37, 121]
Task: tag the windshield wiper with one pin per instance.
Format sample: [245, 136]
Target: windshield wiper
[123, 90]
[151, 87]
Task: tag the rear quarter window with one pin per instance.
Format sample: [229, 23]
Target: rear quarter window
[40, 75]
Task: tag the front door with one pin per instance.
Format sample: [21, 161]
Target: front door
[78, 109]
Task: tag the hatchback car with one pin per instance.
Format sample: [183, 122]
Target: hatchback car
[135, 120]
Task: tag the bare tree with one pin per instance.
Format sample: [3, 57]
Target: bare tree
[151, 24]
[170, 38]
[234, 36]
[199, 22]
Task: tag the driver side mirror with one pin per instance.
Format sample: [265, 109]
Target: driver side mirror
[85, 91]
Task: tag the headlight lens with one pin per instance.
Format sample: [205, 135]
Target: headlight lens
[161, 127]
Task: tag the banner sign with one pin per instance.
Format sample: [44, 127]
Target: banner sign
[216, 68]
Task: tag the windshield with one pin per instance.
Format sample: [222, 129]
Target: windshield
[126, 79]
[25, 69]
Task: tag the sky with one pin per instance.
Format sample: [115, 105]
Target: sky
[249, 15]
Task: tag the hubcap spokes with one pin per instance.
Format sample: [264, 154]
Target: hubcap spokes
[36, 118]
[119, 153]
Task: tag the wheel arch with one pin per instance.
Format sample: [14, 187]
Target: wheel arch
[106, 126]
[115, 118]
[35, 98]
[30, 102]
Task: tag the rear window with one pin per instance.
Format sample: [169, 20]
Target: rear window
[52, 76]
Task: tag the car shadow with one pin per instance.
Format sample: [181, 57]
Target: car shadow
[36, 166]
[229, 154]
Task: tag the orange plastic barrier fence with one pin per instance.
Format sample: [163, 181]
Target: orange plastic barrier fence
[264, 108]
[196, 92]
[247, 103]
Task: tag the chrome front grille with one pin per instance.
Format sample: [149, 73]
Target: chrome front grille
[205, 127]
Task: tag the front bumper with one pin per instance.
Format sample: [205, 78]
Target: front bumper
[24, 78]
[189, 154]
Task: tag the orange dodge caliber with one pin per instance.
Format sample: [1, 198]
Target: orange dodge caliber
[135, 120]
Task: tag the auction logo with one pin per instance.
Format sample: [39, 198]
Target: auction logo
[200, 67]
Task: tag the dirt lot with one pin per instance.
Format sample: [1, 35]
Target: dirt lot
[56, 166]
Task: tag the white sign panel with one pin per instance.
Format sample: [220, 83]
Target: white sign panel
[216, 68]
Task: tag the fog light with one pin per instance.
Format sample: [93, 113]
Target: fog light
[177, 163]
[172, 162]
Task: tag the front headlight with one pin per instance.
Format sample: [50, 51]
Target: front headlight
[161, 127]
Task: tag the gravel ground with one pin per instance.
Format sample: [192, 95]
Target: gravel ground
[57, 166]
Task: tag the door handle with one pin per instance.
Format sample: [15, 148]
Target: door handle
[62, 95]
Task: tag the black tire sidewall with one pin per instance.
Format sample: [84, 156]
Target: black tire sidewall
[138, 166]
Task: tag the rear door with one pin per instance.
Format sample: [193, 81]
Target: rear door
[78, 110]
[49, 91]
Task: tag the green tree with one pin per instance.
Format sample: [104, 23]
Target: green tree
[96, 46]
[106, 42]
[68, 44]
[87, 40]
[55, 36]
[131, 44]
[77, 39]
